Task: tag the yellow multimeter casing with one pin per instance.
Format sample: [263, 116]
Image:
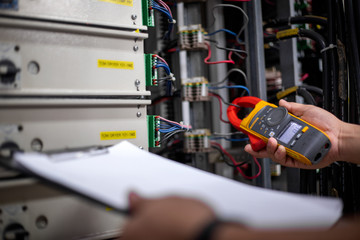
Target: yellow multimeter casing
[302, 141]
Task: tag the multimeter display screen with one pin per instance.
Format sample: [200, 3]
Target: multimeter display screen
[291, 129]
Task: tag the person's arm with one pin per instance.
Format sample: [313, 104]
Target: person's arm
[344, 137]
[349, 143]
[168, 218]
[345, 229]
[175, 218]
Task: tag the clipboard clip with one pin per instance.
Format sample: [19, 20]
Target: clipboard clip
[73, 154]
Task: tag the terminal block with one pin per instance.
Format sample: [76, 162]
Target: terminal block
[153, 122]
[192, 37]
[197, 141]
[150, 70]
[148, 13]
[195, 89]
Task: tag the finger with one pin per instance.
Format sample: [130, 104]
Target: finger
[280, 155]
[271, 146]
[295, 108]
[259, 154]
[135, 201]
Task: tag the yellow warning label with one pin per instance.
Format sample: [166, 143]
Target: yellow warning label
[287, 33]
[115, 64]
[122, 2]
[109, 209]
[117, 135]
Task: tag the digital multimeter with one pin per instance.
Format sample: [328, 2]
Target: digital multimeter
[301, 140]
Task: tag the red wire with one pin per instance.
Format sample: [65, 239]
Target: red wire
[206, 60]
[235, 163]
[220, 103]
[171, 50]
[304, 77]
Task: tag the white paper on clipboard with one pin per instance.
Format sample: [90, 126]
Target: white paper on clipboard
[109, 177]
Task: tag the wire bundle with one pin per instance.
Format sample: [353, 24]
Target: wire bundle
[215, 86]
[230, 136]
[239, 52]
[171, 128]
[236, 164]
[206, 60]
[161, 63]
[231, 86]
[162, 7]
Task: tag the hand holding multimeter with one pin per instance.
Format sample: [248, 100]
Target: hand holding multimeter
[302, 141]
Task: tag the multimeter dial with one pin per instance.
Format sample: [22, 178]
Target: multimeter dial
[276, 116]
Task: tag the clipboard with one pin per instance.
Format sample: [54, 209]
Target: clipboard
[106, 176]
[72, 154]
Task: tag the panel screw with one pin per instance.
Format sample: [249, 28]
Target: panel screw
[138, 114]
[36, 145]
[41, 222]
[141, 147]
[133, 16]
[136, 48]
[137, 82]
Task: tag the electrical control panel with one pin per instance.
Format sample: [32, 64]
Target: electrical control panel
[31, 210]
[55, 124]
[57, 59]
[10, 62]
[72, 78]
[115, 13]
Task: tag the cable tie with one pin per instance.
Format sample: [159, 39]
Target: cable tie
[173, 21]
[331, 46]
[172, 77]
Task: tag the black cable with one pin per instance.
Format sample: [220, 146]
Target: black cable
[350, 190]
[308, 98]
[324, 55]
[313, 89]
[303, 90]
[342, 61]
[357, 20]
[223, 100]
[224, 157]
[333, 63]
[296, 20]
[354, 54]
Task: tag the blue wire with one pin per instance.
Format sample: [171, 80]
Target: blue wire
[167, 130]
[163, 10]
[158, 61]
[235, 86]
[156, 6]
[221, 30]
[166, 67]
[236, 139]
[170, 123]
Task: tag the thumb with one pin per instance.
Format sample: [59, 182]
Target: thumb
[134, 201]
[295, 108]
